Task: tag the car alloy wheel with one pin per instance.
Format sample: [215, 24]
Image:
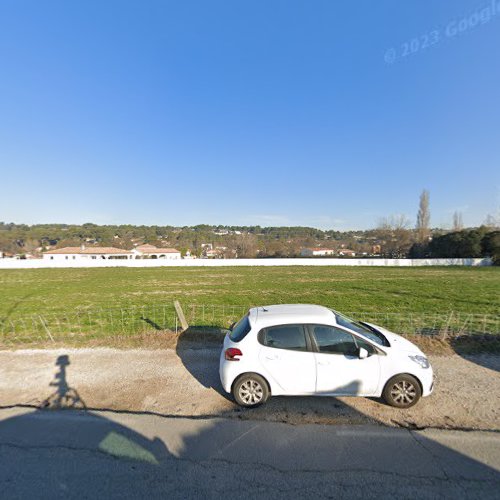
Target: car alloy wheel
[403, 392]
[251, 392]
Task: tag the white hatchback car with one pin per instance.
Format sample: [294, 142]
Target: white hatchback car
[298, 350]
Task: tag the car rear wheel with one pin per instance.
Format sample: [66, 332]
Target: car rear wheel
[402, 391]
[250, 390]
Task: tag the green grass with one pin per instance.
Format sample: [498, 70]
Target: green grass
[415, 290]
[80, 305]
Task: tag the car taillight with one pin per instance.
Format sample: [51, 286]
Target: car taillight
[231, 354]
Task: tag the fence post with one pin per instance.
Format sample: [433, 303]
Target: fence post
[46, 329]
[180, 315]
[444, 331]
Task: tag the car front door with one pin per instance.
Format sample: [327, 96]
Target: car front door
[285, 353]
[339, 369]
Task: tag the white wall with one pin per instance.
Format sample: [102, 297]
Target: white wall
[41, 263]
[61, 257]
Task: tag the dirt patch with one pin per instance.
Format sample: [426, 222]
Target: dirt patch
[185, 382]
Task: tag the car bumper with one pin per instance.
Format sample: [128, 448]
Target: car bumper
[228, 371]
[427, 380]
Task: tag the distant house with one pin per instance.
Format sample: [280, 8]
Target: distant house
[82, 252]
[345, 252]
[316, 252]
[152, 252]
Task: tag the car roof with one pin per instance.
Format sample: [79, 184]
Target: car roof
[290, 313]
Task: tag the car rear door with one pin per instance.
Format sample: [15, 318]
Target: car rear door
[339, 370]
[285, 353]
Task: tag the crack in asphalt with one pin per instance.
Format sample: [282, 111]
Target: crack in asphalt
[208, 464]
[237, 416]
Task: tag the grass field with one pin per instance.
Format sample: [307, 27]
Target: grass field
[439, 290]
[371, 291]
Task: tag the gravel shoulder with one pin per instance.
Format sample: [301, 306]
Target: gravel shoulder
[184, 382]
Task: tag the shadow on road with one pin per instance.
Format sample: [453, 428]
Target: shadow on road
[190, 342]
[81, 453]
[481, 349]
[64, 396]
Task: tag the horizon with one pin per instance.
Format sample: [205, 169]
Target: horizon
[275, 114]
[374, 228]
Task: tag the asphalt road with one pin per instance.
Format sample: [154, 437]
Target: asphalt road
[70, 454]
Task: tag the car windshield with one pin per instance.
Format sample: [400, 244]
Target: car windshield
[356, 326]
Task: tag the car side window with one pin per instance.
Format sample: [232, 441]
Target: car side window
[333, 340]
[365, 345]
[290, 337]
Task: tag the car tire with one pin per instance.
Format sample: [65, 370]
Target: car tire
[402, 391]
[250, 390]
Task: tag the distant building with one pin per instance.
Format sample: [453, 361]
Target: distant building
[212, 254]
[345, 252]
[82, 252]
[316, 252]
[152, 252]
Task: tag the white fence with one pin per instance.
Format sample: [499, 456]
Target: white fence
[41, 263]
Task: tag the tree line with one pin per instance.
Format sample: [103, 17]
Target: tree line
[392, 238]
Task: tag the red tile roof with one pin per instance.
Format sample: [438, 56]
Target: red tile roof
[152, 249]
[89, 251]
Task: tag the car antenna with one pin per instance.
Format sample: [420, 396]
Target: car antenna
[264, 309]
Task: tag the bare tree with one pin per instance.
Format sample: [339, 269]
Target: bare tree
[458, 223]
[492, 221]
[246, 246]
[423, 217]
[394, 235]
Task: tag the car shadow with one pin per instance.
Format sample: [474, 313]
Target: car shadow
[481, 349]
[199, 349]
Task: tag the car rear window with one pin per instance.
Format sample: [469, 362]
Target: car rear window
[240, 330]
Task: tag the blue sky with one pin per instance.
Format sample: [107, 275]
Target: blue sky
[318, 113]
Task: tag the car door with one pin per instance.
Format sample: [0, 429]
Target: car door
[339, 370]
[286, 355]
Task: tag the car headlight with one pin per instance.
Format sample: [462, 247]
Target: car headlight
[420, 360]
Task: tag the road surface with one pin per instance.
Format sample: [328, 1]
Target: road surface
[81, 454]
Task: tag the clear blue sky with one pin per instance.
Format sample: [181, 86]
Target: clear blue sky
[248, 112]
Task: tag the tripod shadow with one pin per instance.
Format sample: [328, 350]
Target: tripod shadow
[64, 396]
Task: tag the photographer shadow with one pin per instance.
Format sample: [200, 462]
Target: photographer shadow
[64, 396]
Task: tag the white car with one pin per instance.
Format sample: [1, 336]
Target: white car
[298, 350]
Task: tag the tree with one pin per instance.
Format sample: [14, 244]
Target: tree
[423, 217]
[395, 235]
[458, 223]
[490, 246]
[246, 246]
[492, 222]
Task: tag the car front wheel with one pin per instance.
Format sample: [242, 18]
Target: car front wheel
[250, 390]
[402, 391]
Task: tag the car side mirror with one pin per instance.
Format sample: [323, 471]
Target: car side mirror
[363, 353]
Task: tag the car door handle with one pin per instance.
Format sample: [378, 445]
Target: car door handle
[323, 363]
[272, 358]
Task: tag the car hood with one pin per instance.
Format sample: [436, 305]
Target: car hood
[397, 342]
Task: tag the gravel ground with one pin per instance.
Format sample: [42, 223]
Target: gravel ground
[184, 382]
